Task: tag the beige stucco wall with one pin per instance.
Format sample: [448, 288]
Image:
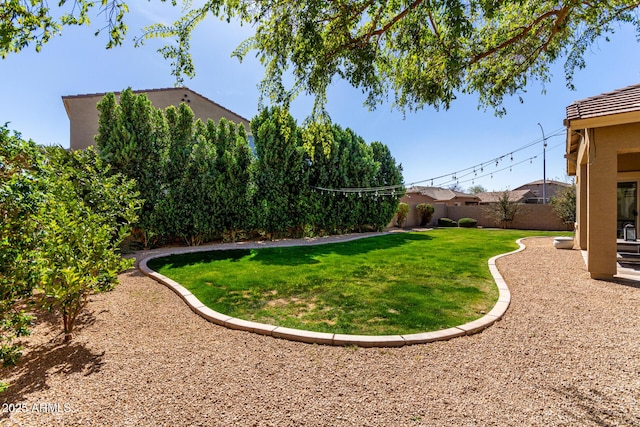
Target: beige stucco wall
[531, 217]
[581, 207]
[83, 113]
[414, 199]
[628, 162]
[605, 155]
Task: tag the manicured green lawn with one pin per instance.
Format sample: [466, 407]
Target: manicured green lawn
[397, 283]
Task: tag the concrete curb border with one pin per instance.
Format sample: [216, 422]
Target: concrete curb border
[498, 311]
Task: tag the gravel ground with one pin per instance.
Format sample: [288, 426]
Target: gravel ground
[567, 352]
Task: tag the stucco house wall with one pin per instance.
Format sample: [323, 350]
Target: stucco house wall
[83, 113]
[603, 148]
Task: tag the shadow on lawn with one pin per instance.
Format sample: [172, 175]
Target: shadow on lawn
[184, 260]
[292, 255]
[305, 255]
[55, 357]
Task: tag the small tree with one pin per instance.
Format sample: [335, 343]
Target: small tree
[20, 196]
[504, 211]
[564, 205]
[476, 189]
[401, 214]
[85, 215]
[426, 213]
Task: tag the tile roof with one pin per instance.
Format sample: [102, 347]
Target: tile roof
[516, 196]
[438, 193]
[618, 101]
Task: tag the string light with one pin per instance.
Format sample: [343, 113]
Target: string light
[454, 177]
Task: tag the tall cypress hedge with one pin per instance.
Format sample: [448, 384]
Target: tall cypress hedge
[201, 181]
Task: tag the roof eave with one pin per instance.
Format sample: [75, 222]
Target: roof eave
[603, 121]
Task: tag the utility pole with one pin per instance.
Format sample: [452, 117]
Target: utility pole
[544, 166]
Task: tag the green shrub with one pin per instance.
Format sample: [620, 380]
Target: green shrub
[426, 213]
[468, 222]
[564, 204]
[446, 222]
[403, 210]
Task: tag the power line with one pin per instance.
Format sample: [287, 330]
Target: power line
[455, 176]
[530, 159]
[496, 160]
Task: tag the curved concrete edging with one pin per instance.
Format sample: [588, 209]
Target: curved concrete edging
[199, 308]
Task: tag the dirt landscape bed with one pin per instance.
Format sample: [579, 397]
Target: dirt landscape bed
[567, 352]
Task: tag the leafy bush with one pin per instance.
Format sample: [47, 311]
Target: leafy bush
[446, 222]
[85, 215]
[504, 211]
[426, 213]
[20, 198]
[403, 210]
[468, 222]
[64, 215]
[564, 204]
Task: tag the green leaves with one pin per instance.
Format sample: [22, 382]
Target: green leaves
[341, 159]
[194, 177]
[280, 174]
[64, 215]
[25, 22]
[413, 53]
[86, 213]
[565, 204]
[21, 193]
[210, 185]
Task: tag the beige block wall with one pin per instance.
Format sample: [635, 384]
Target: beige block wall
[531, 217]
[414, 199]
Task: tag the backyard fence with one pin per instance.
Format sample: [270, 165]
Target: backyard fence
[529, 217]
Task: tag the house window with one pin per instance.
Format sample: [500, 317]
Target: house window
[627, 206]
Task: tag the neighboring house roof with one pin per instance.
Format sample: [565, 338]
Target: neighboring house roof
[541, 182]
[440, 194]
[83, 113]
[622, 100]
[539, 190]
[516, 196]
[177, 90]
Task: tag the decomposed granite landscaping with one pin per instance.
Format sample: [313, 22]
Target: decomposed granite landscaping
[566, 353]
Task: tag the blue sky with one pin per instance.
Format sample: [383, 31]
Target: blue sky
[428, 143]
